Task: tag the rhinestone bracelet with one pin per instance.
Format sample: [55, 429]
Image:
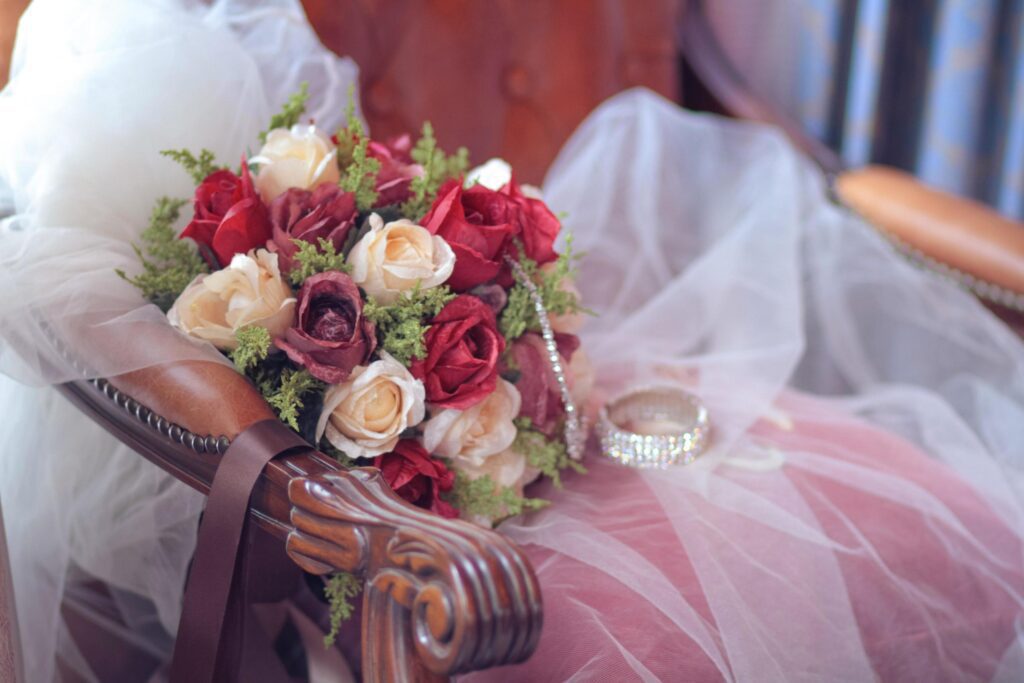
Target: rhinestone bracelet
[654, 427]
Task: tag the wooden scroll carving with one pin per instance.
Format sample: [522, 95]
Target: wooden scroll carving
[441, 597]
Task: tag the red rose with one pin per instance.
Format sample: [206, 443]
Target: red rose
[325, 213]
[478, 224]
[416, 477]
[331, 336]
[537, 385]
[228, 217]
[538, 227]
[397, 169]
[463, 348]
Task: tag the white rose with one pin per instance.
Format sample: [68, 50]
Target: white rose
[302, 157]
[250, 292]
[568, 323]
[495, 174]
[393, 258]
[366, 415]
[469, 437]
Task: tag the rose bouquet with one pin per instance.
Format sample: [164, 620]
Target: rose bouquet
[393, 309]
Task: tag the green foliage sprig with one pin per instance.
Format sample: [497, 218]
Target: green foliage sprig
[482, 497]
[550, 456]
[168, 263]
[437, 167]
[253, 347]
[359, 169]
[290, 113]
[340, 589]
[311, 259]
[401, 325]
[197, 167]
[286, 395]
[519, 315]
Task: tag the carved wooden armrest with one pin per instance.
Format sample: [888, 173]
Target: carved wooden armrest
[441, 597]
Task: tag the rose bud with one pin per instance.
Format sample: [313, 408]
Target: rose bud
[479, 225]
[397, 169]
[463, 347]
[416, 477]
[228, 217]
[330, 336]
[325, 213]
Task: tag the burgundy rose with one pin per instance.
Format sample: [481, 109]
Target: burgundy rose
[463, 348]
[228, 217]
[325, 213]
[479, 225]
[417, 477]
[538, 227]
[397, 169]
[493, 295]
[537, 385]
[330, 336]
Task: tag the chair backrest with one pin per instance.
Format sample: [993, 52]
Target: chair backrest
[509, 78]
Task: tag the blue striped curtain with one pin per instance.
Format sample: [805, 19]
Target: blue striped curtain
[932, 86]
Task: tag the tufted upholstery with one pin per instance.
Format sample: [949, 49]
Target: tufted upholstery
[508, 78]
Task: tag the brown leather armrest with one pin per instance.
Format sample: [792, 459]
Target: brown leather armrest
[204, 398]
[958, 232]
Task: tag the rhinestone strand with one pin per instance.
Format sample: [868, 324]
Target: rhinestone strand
[575, 429]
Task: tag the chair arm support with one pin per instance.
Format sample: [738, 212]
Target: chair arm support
[442, 596]
[958, 232]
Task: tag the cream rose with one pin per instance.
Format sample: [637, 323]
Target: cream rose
[301, 157]
[250, 292]
[473, 435]
[507, 468]
[393, 258]
[366, 415]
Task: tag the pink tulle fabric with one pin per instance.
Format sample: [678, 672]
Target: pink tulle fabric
[909, 595]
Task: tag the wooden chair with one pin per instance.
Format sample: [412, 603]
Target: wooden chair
[510, 79]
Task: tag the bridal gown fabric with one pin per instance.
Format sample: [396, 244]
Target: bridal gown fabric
[857, 517]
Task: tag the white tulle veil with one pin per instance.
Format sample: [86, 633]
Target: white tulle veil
[858, 516]
[97, 89]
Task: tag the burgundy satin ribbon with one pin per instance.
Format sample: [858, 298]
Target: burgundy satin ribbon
[207, 594]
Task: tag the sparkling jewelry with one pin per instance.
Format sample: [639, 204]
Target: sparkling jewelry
[575, 429]
[654, 427]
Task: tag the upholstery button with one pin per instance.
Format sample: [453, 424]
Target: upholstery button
[638, 68]
[380, 98]
[517, 82]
